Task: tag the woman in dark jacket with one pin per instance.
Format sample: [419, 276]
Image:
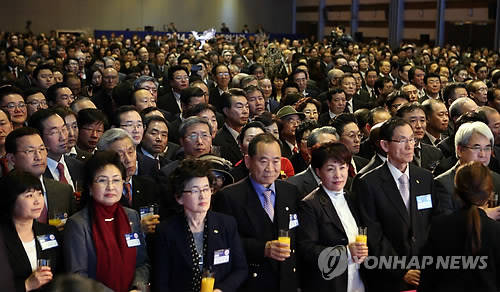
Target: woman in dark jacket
[468, 232]
[26, 240]
[198, 239]
[328, 219]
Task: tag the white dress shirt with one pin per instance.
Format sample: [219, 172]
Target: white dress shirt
[396, 174]
[52, 165]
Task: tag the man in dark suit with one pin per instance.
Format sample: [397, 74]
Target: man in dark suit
[54, 134]
[306, 181]
[353, 101]
[178, 79]
[379, 157]
[475, 142]
[27, 152]
[155, 140]
[396, 203]
[236, 111]
[425, 156]
[222, 77]
[262, 205]
[336, 101]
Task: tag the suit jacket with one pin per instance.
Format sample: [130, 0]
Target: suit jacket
[298, 162]
[255, 228]
[81, 154]
[173, 129]
[393, 230]
[274, 105]
[59, 197]
[360, 162]
[79, 250]
[174, 271]
[375, 162]
[285, 149]
[215, 98]
[430, 157]
[144, 193]
[6, 274]
[446, 238]
[146, 165]
[320, 227]
[362, 100]
[18, 259]
[444, 185]
[366, 149]
[230, 149]
[75, 168]
[304, 181]
[170, 154]
[168, 103]
[324, 119]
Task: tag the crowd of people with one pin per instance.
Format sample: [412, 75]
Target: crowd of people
[132, 164]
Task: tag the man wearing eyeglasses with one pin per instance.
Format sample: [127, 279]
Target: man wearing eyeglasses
[91, 125]
[27, 152]
[397, 202]
[222, 77]
[473, 142]
[11, 100]
[178, 79]
[54, 134]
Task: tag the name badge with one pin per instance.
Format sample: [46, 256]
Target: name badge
[294, 221]
[221, 256]
[424, 202]
[146, 211]
[47, 241]
[132, 239]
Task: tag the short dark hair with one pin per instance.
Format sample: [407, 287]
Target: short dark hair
[332, 150]
[9, 89]
[151, 119]
[372, 113]
[393, 96]
[173, 69]
[36, 120]
[388, 127]
[40, 68]
[97, 162]
[228, 96]
[201, 107]
[302, 103]
[12, 185]
[408, 108]
[254, 124]
[431, 75]
[52, 91]
[33, 90]
[340, 121]
[411, 72]
[304, 127]
[121, 110]
[190, 92]
[449, 90]
[189, 168]
[265, 138]
[333, 91]
[91, 115]
[11, 140]
[427, 106]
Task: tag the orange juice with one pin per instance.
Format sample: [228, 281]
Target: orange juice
[361, 238]
[283, 239]
[55, 222]
[207, 284]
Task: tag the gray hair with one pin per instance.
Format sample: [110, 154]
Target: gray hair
[246, 80]
[332, 72]
[144, 78]
[466, 130]
[313, 137]
[112, 135]
[236, 81]
[191, 121]
[456, 108]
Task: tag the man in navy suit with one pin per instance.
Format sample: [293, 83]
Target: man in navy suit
[262, 205]
[396, 203]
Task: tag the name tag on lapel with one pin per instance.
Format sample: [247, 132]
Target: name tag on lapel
[294, 221]
[47, 241]
[132, 239]
[221, 256]
[424, 202]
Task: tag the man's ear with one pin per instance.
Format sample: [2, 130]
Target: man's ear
[247, 161]
[384, 144]
[11, 158]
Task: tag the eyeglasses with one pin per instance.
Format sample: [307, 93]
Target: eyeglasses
[195, 191]
[194, 136]
[223, 74]
[104, 182]
[132, 125]
[180, 78]
[152, 90]
[477, 148]
[354, 135]
[411, 140]
[33, 151]
[98, 131]
[12, 106]
[37, 103]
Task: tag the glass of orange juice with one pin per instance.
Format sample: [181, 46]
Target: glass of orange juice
[362, 234]
[207, 281]
[283, 237]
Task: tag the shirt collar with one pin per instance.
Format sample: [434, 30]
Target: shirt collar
[334, 195]
[316, 178]
[259, 189]
[145, 152]
[396, 173]
[233, 132]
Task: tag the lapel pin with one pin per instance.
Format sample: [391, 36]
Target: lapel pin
[286, 208]
[418, 181]
[216, 231]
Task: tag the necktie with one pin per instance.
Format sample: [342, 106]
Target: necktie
[437, 141]
[60, 169]
[405, 190]
[418, 158]
[351, 171]
[4, 164]
[43, 215]
[268, 205]
[295, 149]
[128, 193]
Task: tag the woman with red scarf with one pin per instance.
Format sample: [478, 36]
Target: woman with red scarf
[104, 241]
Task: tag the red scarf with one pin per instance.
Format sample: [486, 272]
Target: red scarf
[115, 260]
